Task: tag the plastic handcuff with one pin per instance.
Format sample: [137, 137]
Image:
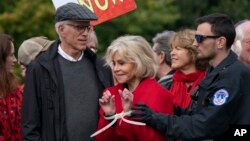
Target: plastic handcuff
[116, 117]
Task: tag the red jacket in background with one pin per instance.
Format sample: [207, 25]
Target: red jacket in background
[10, 117]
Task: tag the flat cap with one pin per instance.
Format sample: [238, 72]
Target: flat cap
[75, 12]
[31, 47]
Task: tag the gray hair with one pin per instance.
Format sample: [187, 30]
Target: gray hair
[239, 28]
[92, 36]
[58, 24]
[163, 44]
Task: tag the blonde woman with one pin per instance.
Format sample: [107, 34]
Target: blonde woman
[134, 68]
[188, 69]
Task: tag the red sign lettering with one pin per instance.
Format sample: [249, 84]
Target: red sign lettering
[108, 9]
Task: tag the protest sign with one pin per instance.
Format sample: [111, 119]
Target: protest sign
[104, 9]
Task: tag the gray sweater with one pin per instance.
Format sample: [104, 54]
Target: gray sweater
[81, 98]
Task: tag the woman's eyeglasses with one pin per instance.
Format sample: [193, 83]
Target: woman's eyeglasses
[200, 38]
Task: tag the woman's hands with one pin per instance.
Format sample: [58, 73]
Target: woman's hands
[107, 101]
[127, 99]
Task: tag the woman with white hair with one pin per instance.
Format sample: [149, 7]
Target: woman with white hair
[134, 68]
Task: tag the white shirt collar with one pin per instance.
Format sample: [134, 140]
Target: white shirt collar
[66, 56]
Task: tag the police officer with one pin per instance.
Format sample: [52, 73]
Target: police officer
[223, 95]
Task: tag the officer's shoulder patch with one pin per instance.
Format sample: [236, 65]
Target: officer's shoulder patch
[220, 97]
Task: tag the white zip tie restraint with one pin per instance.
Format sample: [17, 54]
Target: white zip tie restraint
[116, 117]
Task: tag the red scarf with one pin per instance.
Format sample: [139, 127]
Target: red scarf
[179, 88]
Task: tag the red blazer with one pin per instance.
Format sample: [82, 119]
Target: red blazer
[10, 117]
[148, 92]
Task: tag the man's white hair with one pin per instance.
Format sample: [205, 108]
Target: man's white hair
[57, 26]
[239, 28]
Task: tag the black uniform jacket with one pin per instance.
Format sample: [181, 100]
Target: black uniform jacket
[223, 100]
[43, 108]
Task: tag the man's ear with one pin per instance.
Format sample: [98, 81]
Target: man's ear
[60, 28]
[162, 57]
[62, 31]
[221, 42]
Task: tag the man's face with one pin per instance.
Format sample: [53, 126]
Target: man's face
[205, 42]
[156, 54]
[91, 44]
[75, 34]
[159, 56]
[245, 43]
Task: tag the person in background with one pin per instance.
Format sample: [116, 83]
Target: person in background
[241, 44]
[63, 84]
[10, 94]
[30, 49]
[222, 101]
[184, 60]
[236, 46]
[134, 67]
[161, 48]
[92, 42]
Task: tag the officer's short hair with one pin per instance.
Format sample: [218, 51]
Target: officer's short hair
[221, 25]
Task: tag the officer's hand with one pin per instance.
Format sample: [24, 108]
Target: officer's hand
[141, 112]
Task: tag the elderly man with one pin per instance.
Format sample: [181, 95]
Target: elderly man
[63, 84]
[242, 42]
[162, 50]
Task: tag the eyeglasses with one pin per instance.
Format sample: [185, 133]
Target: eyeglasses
[200, 38]
[80, 28]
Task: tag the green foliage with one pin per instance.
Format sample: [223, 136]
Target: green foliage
[150, 17]
[237, 9]
[24, 18]
[18, 72]
[191, 9]
[4, 7]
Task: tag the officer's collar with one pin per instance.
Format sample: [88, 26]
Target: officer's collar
[232, 57]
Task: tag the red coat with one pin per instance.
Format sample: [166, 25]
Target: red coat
[10, 117]
[148, 92]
